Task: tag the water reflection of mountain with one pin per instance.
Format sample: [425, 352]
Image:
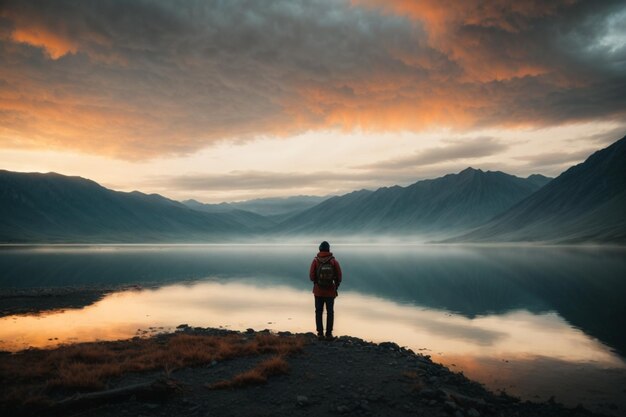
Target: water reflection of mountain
[585, 286]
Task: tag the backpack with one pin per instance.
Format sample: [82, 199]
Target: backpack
[325, 273]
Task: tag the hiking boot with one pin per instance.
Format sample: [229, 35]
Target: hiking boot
[320, 336]
[330, 337]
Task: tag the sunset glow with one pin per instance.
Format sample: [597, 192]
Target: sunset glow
[237, 306]
[148, 96]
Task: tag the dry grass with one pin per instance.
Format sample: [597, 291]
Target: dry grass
[257, 375]
[89, 366]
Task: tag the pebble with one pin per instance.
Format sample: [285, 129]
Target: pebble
[450, 406]
[458, 413]
[472, 412]
[342, 409]
[302, 399]
[374, 398]
[428, 393]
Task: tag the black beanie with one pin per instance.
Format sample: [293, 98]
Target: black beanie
[324, 247]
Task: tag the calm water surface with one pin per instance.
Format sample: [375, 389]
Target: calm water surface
[534, 321]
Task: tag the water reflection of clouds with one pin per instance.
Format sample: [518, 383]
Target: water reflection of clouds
[380, 312]
[510, 312]
[241, 305]
[540, 377]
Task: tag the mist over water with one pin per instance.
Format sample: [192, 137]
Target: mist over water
[583, 285]
[508, 316]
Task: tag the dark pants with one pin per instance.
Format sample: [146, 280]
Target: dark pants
[330, 313]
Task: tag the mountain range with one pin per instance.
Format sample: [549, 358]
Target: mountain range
[56, 208]
[454, 202]
[273, 208]
[585, 203]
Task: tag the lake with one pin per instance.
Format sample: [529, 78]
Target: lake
[534, 321]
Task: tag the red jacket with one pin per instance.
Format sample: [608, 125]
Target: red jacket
[325, 292]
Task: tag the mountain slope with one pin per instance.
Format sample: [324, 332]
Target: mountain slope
[274, 207]
[246, 218]
[586, 203]
[453, 202]
[208, 208]
[56, 208]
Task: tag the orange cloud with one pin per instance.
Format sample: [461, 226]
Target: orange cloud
[56, 46]
[379, 107]
[33, 29]
[144, 81]
[445, 22]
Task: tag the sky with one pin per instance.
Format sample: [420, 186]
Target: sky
[235, 100]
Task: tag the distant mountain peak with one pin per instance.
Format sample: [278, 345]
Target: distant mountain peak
[191, 201]
[440, 205]
[51, 175]
[471, 170]
[269, 206]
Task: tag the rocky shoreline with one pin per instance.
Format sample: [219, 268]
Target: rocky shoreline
[348, 376]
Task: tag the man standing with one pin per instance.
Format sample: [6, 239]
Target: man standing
[325, 273]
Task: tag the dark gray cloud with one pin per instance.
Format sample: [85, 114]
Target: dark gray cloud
[170, 77]
[263, 183]
[267, 180]
[142, 79]
[465, 149]
[556, 158]
[605, 137]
